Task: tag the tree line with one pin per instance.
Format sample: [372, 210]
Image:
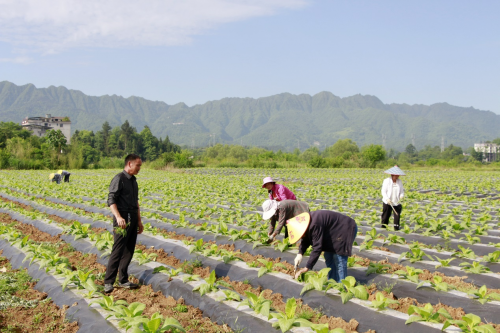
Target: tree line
[20, 149]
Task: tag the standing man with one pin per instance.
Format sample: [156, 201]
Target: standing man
[123, 201]
[329, 232]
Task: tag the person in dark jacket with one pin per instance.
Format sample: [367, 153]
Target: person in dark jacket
[123, 200]
[329, 232]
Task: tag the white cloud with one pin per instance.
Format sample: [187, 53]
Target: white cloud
[54, 25]
[17, 60]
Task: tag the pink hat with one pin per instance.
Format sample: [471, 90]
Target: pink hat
[267, 180]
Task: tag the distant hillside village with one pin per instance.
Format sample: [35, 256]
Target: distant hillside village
[40, 125]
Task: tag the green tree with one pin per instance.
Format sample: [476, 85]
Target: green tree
[452, 151]
[374, 153]
[340, 147]
[11, 130]
[411, 150]
[127, 131]
[56, 140]
[106, 131]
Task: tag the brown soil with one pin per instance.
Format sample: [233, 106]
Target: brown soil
[82, 261]
[382, 248]
[279, 305]
[170, 260]
[192, 320]
[34, 233]
[45, 317]
[406, 302]
[58, 219]
[247, 257]
[99, 230]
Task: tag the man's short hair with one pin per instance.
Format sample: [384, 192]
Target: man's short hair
[130, 158]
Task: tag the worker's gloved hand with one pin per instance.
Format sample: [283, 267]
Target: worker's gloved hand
[389, 202]
[298, 259]
[271, 236]
[401, 197]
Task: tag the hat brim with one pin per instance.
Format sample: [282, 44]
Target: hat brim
[267, 215]
[297, 226]
[267, 183]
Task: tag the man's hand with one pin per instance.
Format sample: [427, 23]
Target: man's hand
[303, 270]
[389, 202]
[121, 222]
[298, 259]
[140, 227]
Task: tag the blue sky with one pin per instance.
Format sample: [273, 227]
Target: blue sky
[193, 51]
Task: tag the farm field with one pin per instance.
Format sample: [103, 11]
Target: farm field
[203, 266]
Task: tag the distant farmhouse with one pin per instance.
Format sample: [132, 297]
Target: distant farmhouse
[40, 125]
[491, 151]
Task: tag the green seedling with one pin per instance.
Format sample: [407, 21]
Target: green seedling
[491, 257]
[426, 314]
[437, 283]
[154, 325]
[378, 268]
[443, 262]
[366, 245]
[474, 268]
[268, 267]
[288, 318]
[465, 253]
[470, 323]
[410, 274]
[259, 304]
[381, 302]
[107, 303]
[197, 246]
[482, 295]
[353, 261]
[122, 231]
[208, 286]
[143, 258]
[415, 254]
[283, 245]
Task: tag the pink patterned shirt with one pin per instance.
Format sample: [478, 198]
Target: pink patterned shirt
[280, 193]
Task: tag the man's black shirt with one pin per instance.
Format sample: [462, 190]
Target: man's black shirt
[124, 192]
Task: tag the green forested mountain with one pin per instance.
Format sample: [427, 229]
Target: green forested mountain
[279, 121]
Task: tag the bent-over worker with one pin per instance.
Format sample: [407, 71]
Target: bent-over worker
[329, 232]
[277, 192]
[123, 201]
[392, 194]
[55, 177]
[281, 211]
[64, 174]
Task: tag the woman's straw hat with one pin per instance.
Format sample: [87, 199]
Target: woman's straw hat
[395, 170]
[297, 226]
[267, 180]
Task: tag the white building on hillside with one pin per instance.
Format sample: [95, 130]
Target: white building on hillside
[490, 151]
[40, 125]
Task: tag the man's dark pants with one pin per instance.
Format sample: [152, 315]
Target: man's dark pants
[123, 250]
[386, 214]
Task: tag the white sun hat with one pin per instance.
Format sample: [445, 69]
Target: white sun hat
[269, 207]
[395, 170]
[267, 180]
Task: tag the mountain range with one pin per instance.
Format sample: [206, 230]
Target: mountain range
[283, 121]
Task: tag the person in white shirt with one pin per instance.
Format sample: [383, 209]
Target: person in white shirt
[392, 194]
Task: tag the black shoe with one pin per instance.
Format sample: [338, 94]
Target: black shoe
[108, 288]
[128, 285]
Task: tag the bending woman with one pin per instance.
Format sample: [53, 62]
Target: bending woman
[392, 194]
[281, 211]
[277, 192]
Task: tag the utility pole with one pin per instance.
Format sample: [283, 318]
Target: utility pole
[442, 143]
[413, 140]
[298, 144]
